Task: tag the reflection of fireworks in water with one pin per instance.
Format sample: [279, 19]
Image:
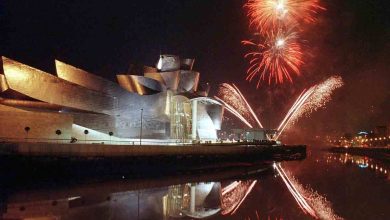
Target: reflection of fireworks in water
[234, 195]
[309, 101]
[276, 58]
[268, 15]
[310, 202]
[232, 98]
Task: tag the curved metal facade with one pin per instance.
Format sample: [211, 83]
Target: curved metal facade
[85, 79]
[3, 83]
[169, 79]
[48, 88]
[189, 81]
[140, 84]
[161, 98]
[168, 63]
[187, 64]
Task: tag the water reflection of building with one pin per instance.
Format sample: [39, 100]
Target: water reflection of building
[165, 101]
[195, 200]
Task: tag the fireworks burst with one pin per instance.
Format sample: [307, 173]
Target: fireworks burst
[276, 58]
[309, 101]
[233, 100]
[270, 15]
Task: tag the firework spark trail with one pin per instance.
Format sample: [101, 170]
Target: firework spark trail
[313, 99]
[290, 110]
[276, 59]
[290, 115]
[309, 201]
[234, 112]
[270, 15]
[249, 107]
[234, 195]
[232, 98]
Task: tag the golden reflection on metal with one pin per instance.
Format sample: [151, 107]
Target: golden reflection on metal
[30, 104]
[48, 88]
[140, 84]
[3, 83]
[85, 79]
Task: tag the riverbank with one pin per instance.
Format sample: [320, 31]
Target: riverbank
[379, 153]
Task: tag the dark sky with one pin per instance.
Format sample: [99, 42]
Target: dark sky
[351, 38]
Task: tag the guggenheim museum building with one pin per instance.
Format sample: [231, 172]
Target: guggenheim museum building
[161, 103]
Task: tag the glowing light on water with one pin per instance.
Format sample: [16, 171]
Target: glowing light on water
[234, 195]
[309, 201]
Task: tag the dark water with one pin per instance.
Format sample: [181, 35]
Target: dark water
[327, 186]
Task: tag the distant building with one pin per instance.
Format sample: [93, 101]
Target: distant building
[76, 104]
[253, 134]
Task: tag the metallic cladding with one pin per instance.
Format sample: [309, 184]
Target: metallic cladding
[48, 88]
[189, 81]
[186, 64]
[169, 79]
[43, 125]
[3, 83]
[140, 84]
[84, 78]
[168, 63]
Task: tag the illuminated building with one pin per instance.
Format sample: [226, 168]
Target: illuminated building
[162, 104]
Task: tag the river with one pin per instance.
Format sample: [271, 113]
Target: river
[323, 186]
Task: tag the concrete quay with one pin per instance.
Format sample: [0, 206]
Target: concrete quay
[35, 161]
[99, 150]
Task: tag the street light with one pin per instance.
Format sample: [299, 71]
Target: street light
[140, 132]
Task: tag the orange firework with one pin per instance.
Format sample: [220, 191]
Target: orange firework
[276, 58]
[268, 15]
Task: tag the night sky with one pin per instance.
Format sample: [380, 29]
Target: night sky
[350, 38]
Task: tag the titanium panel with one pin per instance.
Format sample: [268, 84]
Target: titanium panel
[128, 104]
[215, 112]
[205, 125]
[168, 63]
[169, 79]
[149, 69]
[43, 125]
[85, 79]
[187, 64]
[48, 88]
[30, 105]
[189, 81]
[3, 83]
[140, 84]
